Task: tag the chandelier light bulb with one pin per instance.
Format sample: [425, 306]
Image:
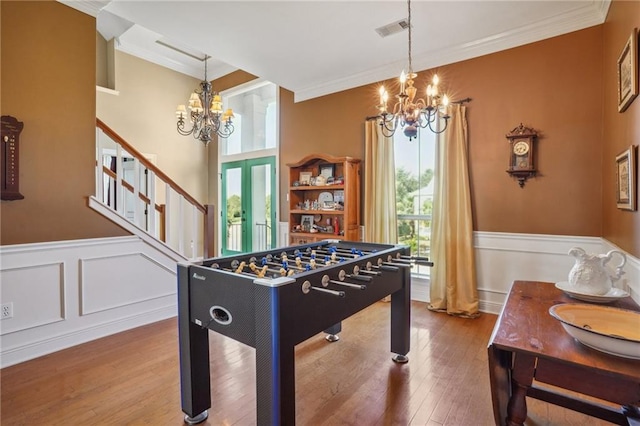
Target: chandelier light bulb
[383, 94]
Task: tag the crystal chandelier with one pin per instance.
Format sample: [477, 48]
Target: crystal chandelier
[205, 122]
[409, 112]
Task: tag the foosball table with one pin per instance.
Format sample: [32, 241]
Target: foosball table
[274, 300]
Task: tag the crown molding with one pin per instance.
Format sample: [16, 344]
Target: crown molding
[593, 13]
[90, 7]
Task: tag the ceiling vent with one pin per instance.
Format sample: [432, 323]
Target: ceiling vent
[393, 28]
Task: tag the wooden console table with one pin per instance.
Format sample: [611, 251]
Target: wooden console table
[528, 343]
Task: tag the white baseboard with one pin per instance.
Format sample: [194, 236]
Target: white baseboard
[69, 339]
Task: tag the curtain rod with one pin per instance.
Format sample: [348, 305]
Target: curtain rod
[461, 101]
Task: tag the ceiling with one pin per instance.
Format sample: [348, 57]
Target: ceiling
[315, 48]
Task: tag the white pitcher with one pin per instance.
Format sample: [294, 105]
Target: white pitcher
[590, 275]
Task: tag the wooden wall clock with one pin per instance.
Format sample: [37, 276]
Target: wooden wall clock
[10, 134]
[522, 153]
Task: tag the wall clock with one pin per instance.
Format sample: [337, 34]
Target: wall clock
[522, 153]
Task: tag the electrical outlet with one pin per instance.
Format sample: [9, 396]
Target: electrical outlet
[6, 311]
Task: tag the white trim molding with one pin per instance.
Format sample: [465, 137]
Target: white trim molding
[502, 258]
[70, 292]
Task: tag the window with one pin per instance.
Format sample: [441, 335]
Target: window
[415, 165]
[255, 119]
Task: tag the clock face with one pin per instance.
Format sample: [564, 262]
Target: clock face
[520, 148]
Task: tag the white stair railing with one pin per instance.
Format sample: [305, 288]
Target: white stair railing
[129, 184]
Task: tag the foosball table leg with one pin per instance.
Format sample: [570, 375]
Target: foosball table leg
[332, 332]
[275, 361]
[195, 391]
[401, 319]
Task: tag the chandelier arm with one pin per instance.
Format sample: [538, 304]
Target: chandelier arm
[181, 130]
[398, 108]
[437, 132]
[226, 131]
[387, 133]
[420, 103]
[384, 124]
[386, 117]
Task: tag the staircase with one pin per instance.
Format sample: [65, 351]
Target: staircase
[134, 193]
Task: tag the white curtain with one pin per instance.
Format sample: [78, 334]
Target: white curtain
[380, 219]
[453, 276]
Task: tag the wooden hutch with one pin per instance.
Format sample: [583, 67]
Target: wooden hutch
[324, 199]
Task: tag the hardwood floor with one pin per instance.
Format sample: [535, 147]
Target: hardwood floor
[132, 378]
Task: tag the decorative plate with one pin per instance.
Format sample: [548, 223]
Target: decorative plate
[324, 197]
[604, 328]
[611, 296]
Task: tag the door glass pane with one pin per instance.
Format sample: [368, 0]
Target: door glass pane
[233, 193]
[261, 207]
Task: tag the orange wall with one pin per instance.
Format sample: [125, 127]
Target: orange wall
[564, 87]
[554, 86]
[620, 129]
[48, 82]
[560, 86]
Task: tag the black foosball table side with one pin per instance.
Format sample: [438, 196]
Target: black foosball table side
[273, 315]
[195, 390]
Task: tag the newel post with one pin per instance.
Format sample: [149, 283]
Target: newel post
[209, 231]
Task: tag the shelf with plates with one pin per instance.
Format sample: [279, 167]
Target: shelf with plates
[324, 196]
[316, 212]
[315, 188]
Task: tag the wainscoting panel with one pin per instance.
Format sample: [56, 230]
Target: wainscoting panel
[70, 292]
[502, 258]
[109, 282]
[18, 287]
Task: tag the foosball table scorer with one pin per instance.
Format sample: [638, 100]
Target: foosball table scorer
[274, 300]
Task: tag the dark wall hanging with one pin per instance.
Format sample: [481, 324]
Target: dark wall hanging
[11, 129]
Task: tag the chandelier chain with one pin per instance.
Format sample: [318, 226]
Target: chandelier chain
[411, 111]
[409, 22]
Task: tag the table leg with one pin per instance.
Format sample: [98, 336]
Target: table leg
[521, 380]
[401, 318]
[500, 380]
[275, 362]
[195, 385]
[332, 332]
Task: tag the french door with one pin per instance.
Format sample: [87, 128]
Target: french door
[248, 205]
